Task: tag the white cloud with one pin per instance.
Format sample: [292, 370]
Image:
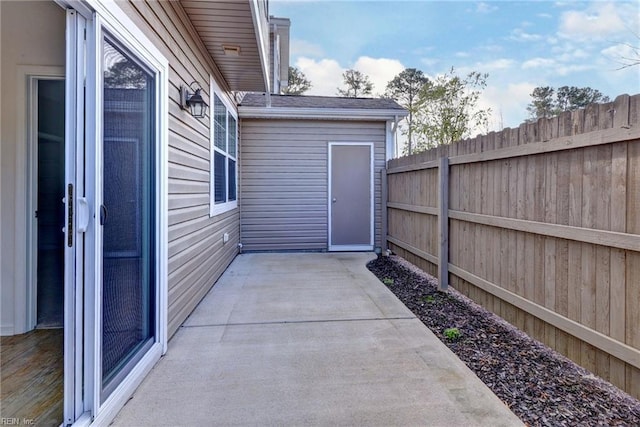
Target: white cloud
[498, 64]
[492, 48]
[304, 48]
[326, 74]
[379, 70]
[565, 70]
[508, 104]
[617, 80]
[423, 50]
[490, 67]
[622, 54]
[551, 40]
[429, 62]
[599, 20]
[521, 35]
[538, 63]
[483, 7]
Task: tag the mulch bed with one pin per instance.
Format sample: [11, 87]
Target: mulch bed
[540, 386]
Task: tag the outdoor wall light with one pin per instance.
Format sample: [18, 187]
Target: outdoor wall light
[193, 101]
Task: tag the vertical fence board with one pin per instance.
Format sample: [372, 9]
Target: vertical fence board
[512, 258]
[633, 258]
[575, 248]
[588, 258]
[443, 204]
[550, 216]
[618, 213]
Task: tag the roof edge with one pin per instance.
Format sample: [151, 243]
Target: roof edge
[261, 30]
[320, 113]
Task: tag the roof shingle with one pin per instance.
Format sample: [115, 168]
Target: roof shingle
[304, 101]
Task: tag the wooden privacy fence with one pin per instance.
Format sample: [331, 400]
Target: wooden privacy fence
[539, 224]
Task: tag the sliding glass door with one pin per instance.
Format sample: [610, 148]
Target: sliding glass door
[127, 212]
[116, 122]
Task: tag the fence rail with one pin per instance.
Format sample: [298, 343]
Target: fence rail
[540, 224]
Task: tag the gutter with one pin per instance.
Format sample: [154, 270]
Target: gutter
[320, 113]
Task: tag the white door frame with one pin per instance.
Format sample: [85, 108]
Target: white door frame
[26, 104]
[371, 196]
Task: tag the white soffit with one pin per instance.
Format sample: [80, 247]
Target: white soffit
[241, 24]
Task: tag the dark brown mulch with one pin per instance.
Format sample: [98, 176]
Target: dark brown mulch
[540, 386]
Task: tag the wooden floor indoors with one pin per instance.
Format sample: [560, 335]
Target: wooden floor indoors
[31, 367]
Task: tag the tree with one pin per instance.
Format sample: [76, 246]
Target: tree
[298, 83]
[570, 98]
[447, 109]
[356, 84]
[567, 98]
[630, 54]
[542, 104]
[405, 89]
[124, 74]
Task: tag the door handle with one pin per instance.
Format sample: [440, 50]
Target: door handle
[103, 214]
[69, 215]
[334, 200]
[83, 214]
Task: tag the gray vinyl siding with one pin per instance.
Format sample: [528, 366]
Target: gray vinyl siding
[197, 256]
[284, 182]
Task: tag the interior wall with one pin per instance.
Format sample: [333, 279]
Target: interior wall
[32, 34]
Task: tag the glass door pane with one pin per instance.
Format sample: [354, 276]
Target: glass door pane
[127, 214]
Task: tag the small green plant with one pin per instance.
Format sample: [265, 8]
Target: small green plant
[428, 298]
[387, 281]
[452, 333]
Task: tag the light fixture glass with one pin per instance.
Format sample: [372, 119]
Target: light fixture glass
[193, 101]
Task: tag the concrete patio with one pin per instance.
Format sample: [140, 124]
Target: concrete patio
[308, 339]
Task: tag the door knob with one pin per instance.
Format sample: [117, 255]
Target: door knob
[334, 200]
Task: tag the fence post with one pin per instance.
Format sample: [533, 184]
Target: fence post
[383, 209]
[443, 223]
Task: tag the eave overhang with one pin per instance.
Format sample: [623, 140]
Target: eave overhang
[242, 24]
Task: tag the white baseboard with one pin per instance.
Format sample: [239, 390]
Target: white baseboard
[7, 330]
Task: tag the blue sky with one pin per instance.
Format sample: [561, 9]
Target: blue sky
[520, 45]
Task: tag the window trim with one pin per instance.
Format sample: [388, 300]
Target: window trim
[219, 208]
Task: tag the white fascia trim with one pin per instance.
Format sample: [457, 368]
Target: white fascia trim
[390, 142]
[262, 43]
[319, 113]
